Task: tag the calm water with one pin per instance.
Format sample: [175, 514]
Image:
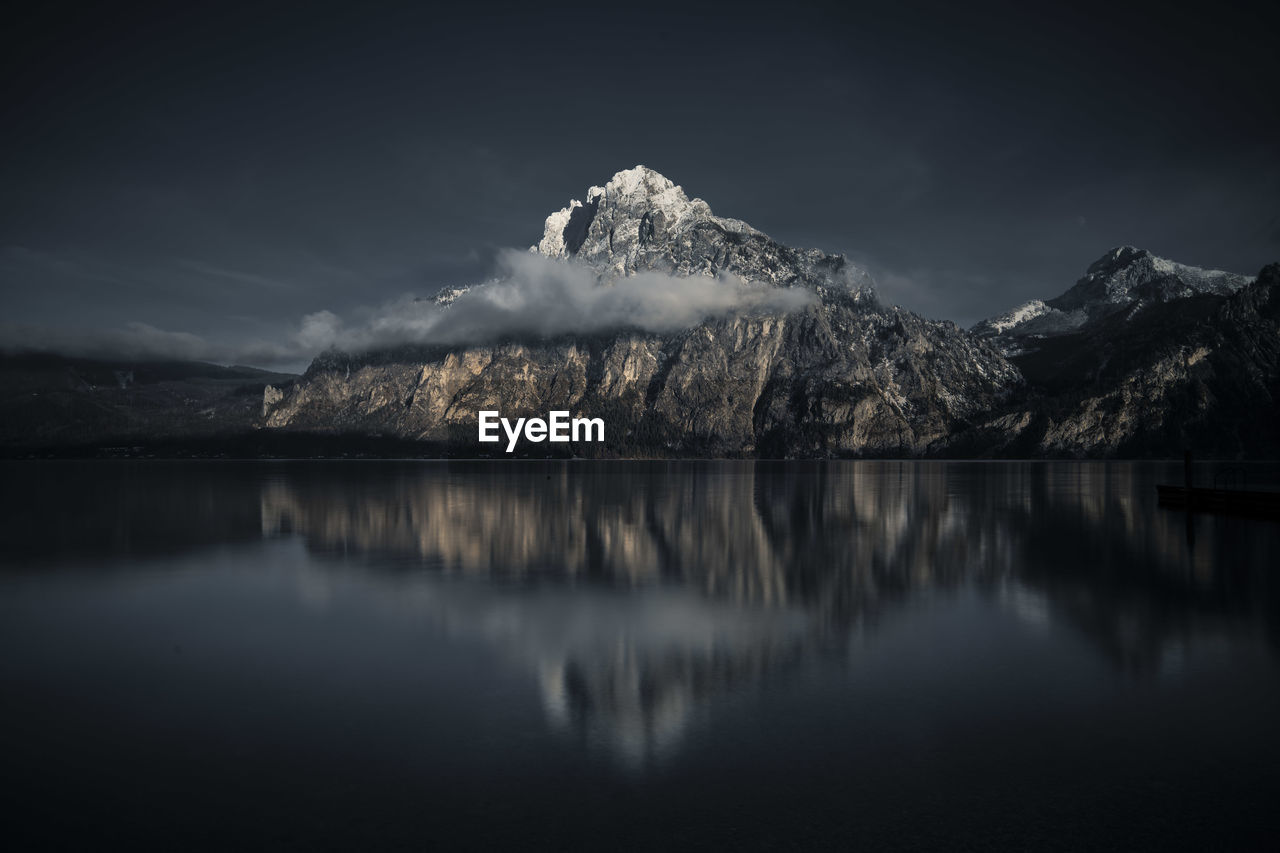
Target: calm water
[634, 656]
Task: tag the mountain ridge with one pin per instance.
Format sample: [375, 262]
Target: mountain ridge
[1142, 356]
[1124, 278]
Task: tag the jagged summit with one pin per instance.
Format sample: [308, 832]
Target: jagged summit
[1126, 278]
[1127, 274]
[1117, 258]
[639, 200]
[641, 220]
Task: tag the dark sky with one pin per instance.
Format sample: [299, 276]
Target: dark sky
[222, 171]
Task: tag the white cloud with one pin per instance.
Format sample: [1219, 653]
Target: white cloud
[540, 296]
[531, 296]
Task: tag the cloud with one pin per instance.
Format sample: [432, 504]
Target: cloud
[543, 297]
[143, 342]
[531, 296]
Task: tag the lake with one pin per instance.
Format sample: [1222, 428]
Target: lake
[635, 655]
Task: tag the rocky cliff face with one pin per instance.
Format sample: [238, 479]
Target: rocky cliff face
[1161, 358]
[845, 376]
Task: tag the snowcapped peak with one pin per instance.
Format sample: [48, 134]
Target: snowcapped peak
[642, 186]
[1126, 278]
[1127, 274]
[636, 208]
[628, 181]
[641, 220]
[1116, 258]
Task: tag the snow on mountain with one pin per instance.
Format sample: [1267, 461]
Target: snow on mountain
[641, 220]
[1124, 279]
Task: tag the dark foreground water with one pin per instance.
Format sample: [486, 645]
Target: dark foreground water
[633, 656]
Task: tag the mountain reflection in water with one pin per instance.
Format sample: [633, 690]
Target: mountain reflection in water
[750, 567]
[643, 601]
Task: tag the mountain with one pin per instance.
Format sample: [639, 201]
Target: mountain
[52, 400]
[641, 221]
[845, 375]
[1142, 357]
[1123, 282]
[778, 352]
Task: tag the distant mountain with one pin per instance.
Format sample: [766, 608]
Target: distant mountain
[51, 400]
[847, 375]
[1142, 357]
[1123, 282]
